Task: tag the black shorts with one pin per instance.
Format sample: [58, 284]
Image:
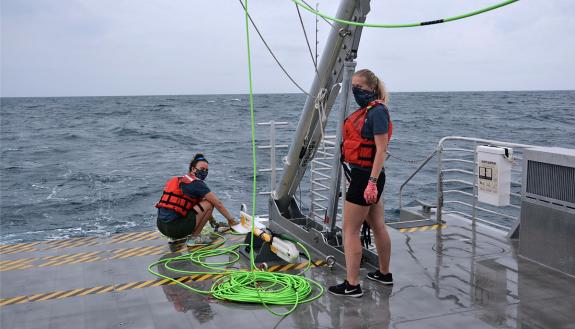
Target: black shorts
[359, 179]
[178, 228]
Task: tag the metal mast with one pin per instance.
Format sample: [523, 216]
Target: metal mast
[341, 46]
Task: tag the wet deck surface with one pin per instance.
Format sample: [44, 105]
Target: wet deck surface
[454, 277]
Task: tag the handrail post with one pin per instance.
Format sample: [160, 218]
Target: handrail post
[475, 184]
[439, 182]
[311, 185]
[429, 157]
[273, 153]
[332, 205]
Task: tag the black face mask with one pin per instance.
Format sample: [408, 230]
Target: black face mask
[363, 97]
[201, 174]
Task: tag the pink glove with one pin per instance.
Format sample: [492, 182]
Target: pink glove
[370, 193]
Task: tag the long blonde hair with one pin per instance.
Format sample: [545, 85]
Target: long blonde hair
[375, 83]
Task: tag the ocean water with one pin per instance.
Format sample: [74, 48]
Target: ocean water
[82, 166]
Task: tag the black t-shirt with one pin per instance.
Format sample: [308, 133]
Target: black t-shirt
[196, 189]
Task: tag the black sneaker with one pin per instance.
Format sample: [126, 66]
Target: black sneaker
[176, 245]
[346, 289]
[176, 241]
[381, 278]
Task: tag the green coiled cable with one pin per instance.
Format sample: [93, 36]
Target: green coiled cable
[253, 286]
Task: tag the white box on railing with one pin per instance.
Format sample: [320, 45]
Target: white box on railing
[494, 174]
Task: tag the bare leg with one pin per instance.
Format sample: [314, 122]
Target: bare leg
[382, 241]
[202, 216]
[353, 217]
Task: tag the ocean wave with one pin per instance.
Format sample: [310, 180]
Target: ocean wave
[11, 149]
[111, 113]
[95, 177]
[154, 135]
[12, 169]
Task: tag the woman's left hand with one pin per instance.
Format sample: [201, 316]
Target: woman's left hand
[370, 193]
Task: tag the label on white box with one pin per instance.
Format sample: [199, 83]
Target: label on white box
[488, 176]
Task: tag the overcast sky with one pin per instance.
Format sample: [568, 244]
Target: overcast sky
[159, 47]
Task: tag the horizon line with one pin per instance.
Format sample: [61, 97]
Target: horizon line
[288, 93]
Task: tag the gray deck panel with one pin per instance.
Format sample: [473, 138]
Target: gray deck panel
[485, 286]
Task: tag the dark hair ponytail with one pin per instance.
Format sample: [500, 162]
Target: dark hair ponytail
[197, 158]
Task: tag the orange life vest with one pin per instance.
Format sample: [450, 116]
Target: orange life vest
[174, 198]
[355, 149]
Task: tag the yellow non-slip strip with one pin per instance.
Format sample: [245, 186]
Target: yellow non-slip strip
[7, 247]
[132, 285]
[69, 243]
[13, 300]
[87, 257]
[294, 266]
[422, 228]
[135, 236]
[130, 252]
[83, 257]
[14, 262]
[78, 242]
[17, 250]
[16, 246]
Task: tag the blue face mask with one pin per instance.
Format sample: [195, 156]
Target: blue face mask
[201, 174]
[363, 97]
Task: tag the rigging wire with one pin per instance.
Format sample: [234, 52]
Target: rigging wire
[272, 53]
[325, 20]
[306, 39]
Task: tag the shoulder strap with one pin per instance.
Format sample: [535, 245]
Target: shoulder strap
[187, 179]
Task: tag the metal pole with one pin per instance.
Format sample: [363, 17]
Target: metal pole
[273, 153]
[439, 184]
[312, 195]
[342, 44]
[316, 30]
[475, 186]
[429, 157]
[334, 188]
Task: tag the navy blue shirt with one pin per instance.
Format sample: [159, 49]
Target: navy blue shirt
[377, 122]
[196, 189]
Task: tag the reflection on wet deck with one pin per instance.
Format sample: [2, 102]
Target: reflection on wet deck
[453, 277]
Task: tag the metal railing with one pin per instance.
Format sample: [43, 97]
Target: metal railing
[320, 171]
[320, 178]
[457, 189]
[457, 172]
[272, 147]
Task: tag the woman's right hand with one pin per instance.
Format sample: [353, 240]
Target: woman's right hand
[370, 193]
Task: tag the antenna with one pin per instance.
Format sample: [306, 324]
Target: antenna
[316, 30]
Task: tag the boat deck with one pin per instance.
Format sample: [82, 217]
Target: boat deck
[445, 277]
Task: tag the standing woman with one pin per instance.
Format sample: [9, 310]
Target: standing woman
[187, 203]
[366, 133]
